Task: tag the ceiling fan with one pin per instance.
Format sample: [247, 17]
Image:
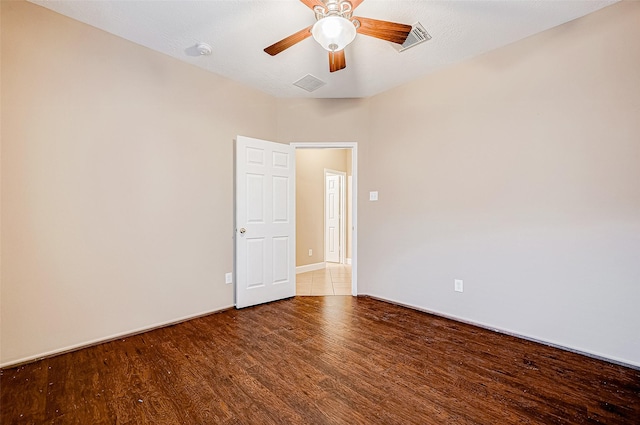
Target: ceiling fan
[336, 27]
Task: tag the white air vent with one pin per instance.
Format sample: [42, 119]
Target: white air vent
[417, 35]
[309, 83]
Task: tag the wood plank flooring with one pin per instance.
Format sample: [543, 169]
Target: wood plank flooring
[320, 360]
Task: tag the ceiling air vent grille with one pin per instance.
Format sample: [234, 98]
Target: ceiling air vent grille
[309, 83]
[417, 36]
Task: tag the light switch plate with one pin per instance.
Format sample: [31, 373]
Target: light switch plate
[228, 278]
[458, 285]
[373, 196]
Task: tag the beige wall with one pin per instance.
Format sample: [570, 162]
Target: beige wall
[518, 172]
[326, 120]
[116, 183]
[310, 166]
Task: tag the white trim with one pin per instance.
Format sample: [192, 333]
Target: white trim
[348, 261]
[113, 337]
[593, 355]
[354, 198]
[310, 267]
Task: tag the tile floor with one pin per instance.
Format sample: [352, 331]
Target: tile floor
[333, 280]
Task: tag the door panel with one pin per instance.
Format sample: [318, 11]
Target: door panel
[255, 262]
[280, 255]
[255, 198]
[265, 221]
[281, 199]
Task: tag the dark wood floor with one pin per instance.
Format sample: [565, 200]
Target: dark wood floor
[320, 360]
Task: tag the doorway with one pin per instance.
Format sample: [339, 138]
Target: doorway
[318, 264]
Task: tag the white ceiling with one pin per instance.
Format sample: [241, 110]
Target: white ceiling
[239, 30]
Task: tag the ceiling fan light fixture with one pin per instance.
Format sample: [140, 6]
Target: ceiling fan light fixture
[334, 33]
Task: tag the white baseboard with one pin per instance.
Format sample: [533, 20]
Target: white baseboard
[311, 267]
[348, 261]
[113, 337]
[598, 356]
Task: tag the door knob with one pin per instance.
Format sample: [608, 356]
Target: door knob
[243, 231]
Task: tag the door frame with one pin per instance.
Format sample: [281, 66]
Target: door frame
[341, 214]
[354, 198]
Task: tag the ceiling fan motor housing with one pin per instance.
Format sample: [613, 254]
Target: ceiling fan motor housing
[340, 8]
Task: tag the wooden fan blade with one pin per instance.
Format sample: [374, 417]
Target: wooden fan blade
[355, 3]
[312, 3]
[287, 42]
[384, 30]
[337, 61]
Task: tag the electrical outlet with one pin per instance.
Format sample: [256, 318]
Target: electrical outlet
[228, 278]
[458, 285]
[373, 196]
[310, 252]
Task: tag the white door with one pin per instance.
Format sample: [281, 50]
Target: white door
[264, 222]
[332, 218]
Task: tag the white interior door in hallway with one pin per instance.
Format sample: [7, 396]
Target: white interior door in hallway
[334, 216]
[264, 221]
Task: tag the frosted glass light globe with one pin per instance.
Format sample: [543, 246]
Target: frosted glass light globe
[334, 33]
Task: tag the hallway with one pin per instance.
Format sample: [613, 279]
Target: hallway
[335, 279]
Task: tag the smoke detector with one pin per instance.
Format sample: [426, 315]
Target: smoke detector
[204, 49]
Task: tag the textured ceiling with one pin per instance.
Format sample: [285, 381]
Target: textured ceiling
[239, 30]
